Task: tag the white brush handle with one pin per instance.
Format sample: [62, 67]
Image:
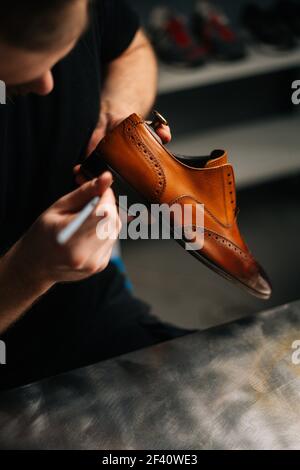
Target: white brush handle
[64, 236]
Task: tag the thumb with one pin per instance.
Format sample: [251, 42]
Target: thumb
[95, 139]
[76, 200]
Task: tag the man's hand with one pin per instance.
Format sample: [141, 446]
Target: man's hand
[130, 87]
[37, 261]
[84, 254]
[164, 132]
[107, 122]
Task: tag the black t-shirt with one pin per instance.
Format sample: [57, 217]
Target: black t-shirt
[41, 140]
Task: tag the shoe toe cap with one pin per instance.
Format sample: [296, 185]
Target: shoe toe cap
[260, 283]
[238, 264]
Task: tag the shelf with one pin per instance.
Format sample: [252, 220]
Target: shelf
[173, 79]
[259, 151]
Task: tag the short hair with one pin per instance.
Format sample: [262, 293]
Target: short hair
[32, 24]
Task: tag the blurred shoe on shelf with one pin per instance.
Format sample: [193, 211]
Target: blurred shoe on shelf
[267, 27]
[172, 39]
[213, 28]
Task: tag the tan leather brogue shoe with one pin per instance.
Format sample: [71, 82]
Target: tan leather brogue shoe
[135, 153]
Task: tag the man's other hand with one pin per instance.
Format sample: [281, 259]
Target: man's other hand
[85, 254]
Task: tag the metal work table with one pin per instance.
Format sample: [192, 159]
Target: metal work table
[231, 387]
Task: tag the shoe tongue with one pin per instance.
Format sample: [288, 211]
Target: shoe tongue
[218, 157]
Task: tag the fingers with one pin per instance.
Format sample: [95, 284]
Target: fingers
[105, 212]
[96, 238]
[76, 169]
[97, 136]
[164, 132]
[108, 198]
[79, 177]
[76, 200]
[103, 183]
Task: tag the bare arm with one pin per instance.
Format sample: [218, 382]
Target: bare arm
[37, 262]
[131, 80]
[130, 87]
[19, 288]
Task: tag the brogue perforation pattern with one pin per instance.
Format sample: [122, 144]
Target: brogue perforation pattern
[130, 129]
[227, 243]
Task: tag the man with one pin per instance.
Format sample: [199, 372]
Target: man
[74, 69]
